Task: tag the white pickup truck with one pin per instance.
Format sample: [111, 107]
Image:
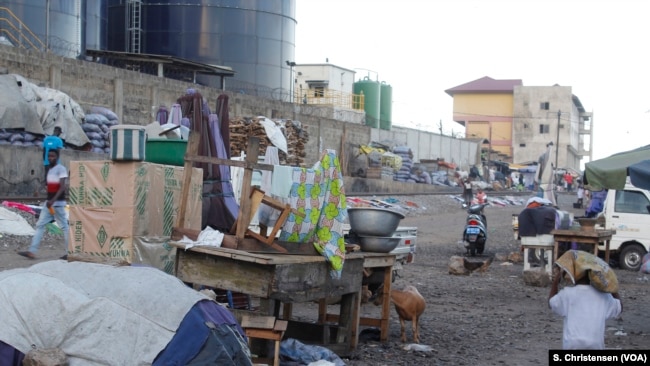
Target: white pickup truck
[628, 212]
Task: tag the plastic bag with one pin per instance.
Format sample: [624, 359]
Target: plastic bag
[274, 133]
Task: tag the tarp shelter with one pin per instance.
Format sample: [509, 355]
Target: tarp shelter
[37, 110]
[105, 315]
[612, 172]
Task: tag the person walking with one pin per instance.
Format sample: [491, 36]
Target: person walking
[468, 195]
[585, 310]
[52, 142]
[54, 207]
[481, 197]
[568, 178]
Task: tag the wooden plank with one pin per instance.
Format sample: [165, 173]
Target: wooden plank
[237, 163]
[378, 260]
[280, 325]
[269, 334]
[300, 281]
[262, 322]
[243, 220]
[258, 257]
[192, 149]
[225, 273]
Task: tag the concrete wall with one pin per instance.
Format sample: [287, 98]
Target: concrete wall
[22, 173]
[134, 97]
[529, 141]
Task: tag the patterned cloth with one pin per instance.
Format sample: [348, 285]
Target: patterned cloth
[318, 193]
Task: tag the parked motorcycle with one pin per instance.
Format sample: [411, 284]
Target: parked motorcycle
[475, 232]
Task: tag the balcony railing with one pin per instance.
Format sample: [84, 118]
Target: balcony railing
[330, 97]
[17, 32]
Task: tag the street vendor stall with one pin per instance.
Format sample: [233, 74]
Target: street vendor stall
[282, 279]
[258, 264]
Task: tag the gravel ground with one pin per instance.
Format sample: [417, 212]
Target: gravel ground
[490, 318]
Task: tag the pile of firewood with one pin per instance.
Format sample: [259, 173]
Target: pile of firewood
[296, 135]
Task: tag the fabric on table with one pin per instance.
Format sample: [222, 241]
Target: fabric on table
[537, 221]
[318, 193]
[578, 264]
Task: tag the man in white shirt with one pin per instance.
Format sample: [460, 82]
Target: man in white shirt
[585, 310]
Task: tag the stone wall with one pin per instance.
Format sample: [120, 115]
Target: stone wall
[135, 97]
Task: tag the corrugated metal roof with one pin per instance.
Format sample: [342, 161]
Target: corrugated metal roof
[485, 85]
[169, 62]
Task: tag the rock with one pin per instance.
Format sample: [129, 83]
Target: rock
[45, 357]
[457, 266]
[515, 257]
[537, 277]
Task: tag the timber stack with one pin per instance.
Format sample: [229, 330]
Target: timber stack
[295, 133]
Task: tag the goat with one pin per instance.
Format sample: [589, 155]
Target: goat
[409, 305]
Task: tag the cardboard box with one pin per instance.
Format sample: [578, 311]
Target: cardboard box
[114, 203]
[102, 232]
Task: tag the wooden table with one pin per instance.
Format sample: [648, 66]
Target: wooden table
[381, 261]
[281, 278]
[593, 237]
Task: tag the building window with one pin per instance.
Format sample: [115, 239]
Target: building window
[544, 105]
[522, 145]
[543, 129]
[319, 92]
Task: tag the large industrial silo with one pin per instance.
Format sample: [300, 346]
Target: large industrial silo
[255, 38]
[96, 24]
[51, 24]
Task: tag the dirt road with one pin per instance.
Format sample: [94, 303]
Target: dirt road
[492, 318]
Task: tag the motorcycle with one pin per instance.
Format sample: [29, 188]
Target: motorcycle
[475, 232]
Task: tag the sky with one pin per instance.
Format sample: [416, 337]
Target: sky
[600, 48]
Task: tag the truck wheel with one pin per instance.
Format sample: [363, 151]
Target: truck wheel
[630, 257]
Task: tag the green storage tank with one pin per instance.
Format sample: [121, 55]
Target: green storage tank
[372, 93]
[386, 107]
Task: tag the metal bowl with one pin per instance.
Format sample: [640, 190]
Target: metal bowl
[373, 221]
[378, 244]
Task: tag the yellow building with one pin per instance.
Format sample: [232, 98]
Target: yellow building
[485, 108]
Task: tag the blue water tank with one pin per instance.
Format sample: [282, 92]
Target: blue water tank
[255, 38]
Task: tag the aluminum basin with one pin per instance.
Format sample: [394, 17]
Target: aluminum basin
[378, 244]
[373, 221]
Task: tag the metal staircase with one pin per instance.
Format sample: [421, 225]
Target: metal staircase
[17, 33]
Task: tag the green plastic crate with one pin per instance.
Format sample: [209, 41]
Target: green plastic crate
[165, 151]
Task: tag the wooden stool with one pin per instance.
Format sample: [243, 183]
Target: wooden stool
[265, 327]
[258, 197]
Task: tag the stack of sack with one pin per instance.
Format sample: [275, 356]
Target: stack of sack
[96, 125]
[404, 173]
[19, 138]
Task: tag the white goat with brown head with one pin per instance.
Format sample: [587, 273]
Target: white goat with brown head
[409, 305]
